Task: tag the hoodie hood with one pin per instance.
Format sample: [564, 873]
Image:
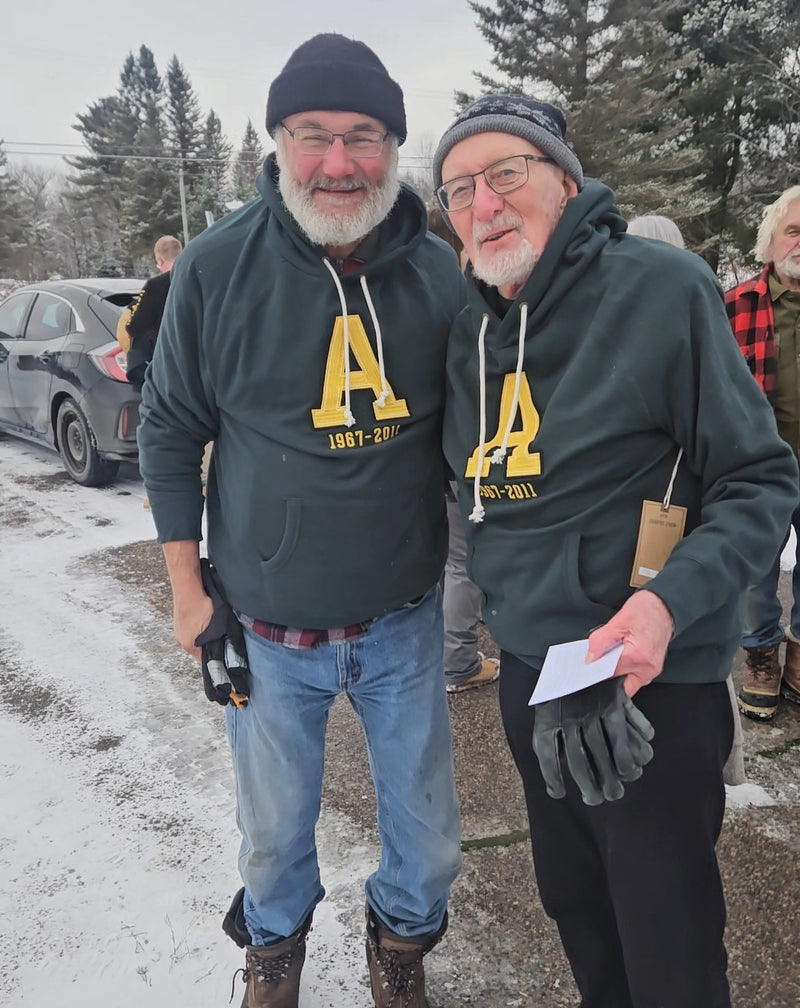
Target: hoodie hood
[589, 221]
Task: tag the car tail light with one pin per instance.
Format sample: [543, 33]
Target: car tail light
[128, 422]
[110, 360]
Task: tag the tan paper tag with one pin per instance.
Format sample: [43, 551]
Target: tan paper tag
[659, 530]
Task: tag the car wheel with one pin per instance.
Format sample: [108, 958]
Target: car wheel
[78, 448]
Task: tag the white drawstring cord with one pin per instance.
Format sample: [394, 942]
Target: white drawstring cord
[500, 453]
[478, 510]
[668, 494]
[349, 419]
[381, 400]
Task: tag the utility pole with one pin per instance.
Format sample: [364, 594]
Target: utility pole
[182, 190]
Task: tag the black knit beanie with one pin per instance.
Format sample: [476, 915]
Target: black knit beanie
[539, 123]
[336, 74]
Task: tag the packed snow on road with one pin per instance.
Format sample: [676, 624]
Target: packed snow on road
[118, 840]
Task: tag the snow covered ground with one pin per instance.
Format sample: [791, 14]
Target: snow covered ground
[117, 835]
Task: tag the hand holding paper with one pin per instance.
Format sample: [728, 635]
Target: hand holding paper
[644, 626]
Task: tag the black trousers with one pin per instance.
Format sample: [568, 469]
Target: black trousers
[634, 885]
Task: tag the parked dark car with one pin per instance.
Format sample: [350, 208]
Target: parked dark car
[62, 377]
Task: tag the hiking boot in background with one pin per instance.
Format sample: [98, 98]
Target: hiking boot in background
[487, 672]
[396, 973]
[758, 697]
[790, 687]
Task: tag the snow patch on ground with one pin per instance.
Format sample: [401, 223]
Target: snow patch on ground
[745, 795]
[118, 841]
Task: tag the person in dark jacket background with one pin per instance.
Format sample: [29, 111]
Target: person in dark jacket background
[147, 310]
[764, 312]
[624, 482]
[305, 335]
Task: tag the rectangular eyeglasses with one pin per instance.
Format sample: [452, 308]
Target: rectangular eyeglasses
[360, 143]
[502, 177]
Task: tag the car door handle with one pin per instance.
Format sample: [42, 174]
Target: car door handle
[46, 357]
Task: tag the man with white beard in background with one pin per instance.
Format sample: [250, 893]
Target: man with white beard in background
[764, 312]
[305, 336]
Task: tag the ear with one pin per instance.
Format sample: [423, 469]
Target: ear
[569, 189]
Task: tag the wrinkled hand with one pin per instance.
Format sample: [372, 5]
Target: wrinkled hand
[604, 738]
[645, 627]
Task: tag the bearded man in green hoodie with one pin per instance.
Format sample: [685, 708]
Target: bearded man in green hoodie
[624, 482]
[305, 335]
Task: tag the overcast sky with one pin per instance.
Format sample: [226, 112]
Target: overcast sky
[57, 59]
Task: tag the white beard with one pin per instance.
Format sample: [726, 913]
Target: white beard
[499, 269]
[511, 267]
[335, 229]
[506, 268]
[789, 267]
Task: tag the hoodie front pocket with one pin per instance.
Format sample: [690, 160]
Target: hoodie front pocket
[291, 532]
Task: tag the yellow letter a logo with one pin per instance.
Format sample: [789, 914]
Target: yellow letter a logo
[331, 410]
[520, 461]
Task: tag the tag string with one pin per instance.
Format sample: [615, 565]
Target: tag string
[668, 494]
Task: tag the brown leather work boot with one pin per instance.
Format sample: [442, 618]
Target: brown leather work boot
[396, 973]
[758, 697]
[790, 687]
[272, 972]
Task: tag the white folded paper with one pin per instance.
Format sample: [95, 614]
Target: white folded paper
[565, 670]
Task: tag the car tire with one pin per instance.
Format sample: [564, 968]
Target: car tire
[78, 448]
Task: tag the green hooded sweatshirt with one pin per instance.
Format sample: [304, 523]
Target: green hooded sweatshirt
[313, 521]
[621, 354]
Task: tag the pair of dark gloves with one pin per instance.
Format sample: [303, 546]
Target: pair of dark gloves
[599, 734]
[226, 673]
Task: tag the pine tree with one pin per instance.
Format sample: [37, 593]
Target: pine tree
[612, 69]
[129, 178]
[150, 204]
[109, 130]
[186, 141]
[740, 90]
[212, 191]
[685, 109]
[12, 223]
[247, 165]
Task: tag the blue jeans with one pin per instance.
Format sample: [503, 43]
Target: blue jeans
[394, 680]
[762, 607]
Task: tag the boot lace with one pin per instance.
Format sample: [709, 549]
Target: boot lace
[400, 976]
[761, 662]
[265, 970]
[268, 970]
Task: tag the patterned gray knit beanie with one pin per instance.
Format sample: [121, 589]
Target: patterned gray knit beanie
[541, 124]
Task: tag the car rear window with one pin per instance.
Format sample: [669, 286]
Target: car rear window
[109, 308]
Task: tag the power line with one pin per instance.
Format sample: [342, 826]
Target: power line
[186, 160]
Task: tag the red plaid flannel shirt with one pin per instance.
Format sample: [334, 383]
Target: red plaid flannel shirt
[749, 309]
[292, 637]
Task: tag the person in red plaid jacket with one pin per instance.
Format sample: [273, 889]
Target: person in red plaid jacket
[764, 313]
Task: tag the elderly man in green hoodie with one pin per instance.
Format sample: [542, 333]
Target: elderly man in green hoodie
[624, 482]
[305, 335]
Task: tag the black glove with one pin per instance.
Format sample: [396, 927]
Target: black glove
[605, 739]
[225, 669]
[234, 925]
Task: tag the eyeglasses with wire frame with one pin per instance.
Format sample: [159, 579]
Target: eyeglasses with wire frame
[502, 177]
[359, 143]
